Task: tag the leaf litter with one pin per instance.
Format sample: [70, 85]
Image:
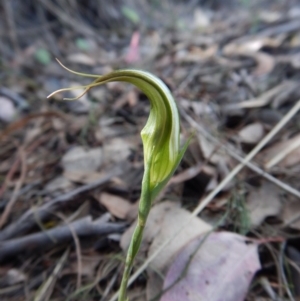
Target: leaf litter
[219, 266]
[234, 70]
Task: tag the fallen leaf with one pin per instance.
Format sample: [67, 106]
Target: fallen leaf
[8, 111]
[265, 63]
[59, 183]
[88, 266]
[117, 149]
[196, 54]
[209, 150]
[270, 16]
[262, 100]
[84, 177]
[217, 267]
[251, 45]
[283, 154]
[291, 214]
[165, 219]
[251, 133]
[202, 18]
[80, 159]
[263, 202]
[117, 206]
[14, 276]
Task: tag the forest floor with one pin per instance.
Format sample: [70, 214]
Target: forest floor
[71, 172]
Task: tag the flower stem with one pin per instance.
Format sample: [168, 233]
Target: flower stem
[144, 208]
[132, 251]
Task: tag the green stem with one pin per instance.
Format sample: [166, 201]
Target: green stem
[132, 251]
[144, 208]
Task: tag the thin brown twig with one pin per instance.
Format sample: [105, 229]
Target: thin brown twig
[28, 218]
[17, 188]
[9, 175]
[58, 235]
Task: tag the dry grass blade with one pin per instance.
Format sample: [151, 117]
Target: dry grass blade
[240, 159]
[65, 18]
[222, 184]
[260, 101]
[281, 155]
[45, 291]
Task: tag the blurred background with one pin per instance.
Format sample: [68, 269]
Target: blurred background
[234, 69]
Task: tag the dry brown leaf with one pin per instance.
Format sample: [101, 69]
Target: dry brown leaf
[283, 154]
[84, 177]
[8, 111]
[13, 276]
[291, 214]
[165, 219]
[251, 133]
[59, 183]
[216, 267]
[250, 45]
[117, 149]
[269, 16]
[200, 108]
[82, 160]
[263, 202]
[202, 18]
[293, 59]
[117, 206]
[262, 100]
[88, 265]
[209, 150]
[196, 54]
[265, 63]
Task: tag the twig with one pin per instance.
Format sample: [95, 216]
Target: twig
[221, 185]
[17, 188]
[28, 219]
[259, 101]
[58, 235]
[233, 154]
[281, 264]
[9, 175]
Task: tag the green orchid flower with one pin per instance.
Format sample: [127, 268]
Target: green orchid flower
[161, 145]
